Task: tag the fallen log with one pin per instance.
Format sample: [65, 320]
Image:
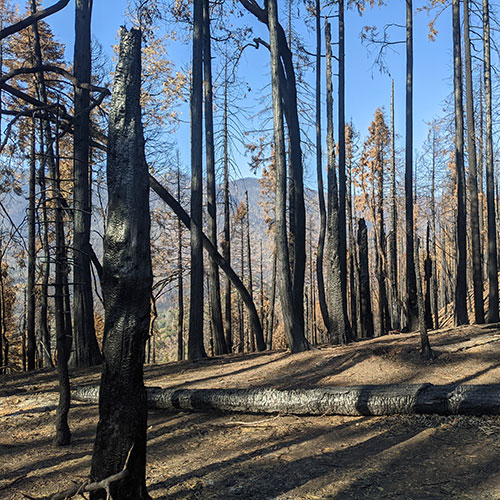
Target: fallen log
[355, 400]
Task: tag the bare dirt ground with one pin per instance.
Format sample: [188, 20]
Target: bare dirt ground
[228, 456]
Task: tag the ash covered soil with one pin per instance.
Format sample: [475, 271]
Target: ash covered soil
[260, 457]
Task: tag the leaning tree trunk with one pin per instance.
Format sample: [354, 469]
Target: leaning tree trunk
[291, 316]
[213, 270]
[477, 277]
[493, 316]
[196, 349]
[411, 286]
[85, 347]
[213, 253]
[461, 316]
[126, 285]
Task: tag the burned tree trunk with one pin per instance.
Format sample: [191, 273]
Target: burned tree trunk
[365, 303]
[213, 270]
[126, 284]
[356, 400]
[85, 347]
[461, 316]
[337, 329]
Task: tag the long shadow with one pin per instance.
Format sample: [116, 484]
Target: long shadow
[278, 477]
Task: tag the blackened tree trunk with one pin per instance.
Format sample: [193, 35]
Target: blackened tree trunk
[411, 287]
[85, 348]
[342, 173]
[226, 245]
[473, 191]
[393, 235]
[249, 257]
[63, 434]
[213, 270]
[337, 328]
[212, 252]
[196, 349]
[435, 306]
[30, 288]
[291, 316]
[180, 277]
[429, 323]
[319, 173]
[461, 317]
[425, 346]
[365, 302]
[493, 316]
[126, 284]
[384, 316]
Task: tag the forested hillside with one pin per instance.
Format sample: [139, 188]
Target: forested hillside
[232, 181]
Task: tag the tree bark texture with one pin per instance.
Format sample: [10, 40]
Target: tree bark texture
[196, 349]
[85, 348]
[356, 400]
[411, 286]
[319, 173]
[337, 328]
[126, 284]
[30, 288]
[213, 270]
[291, 315]
[365, 301]
[477, 277]
[461, 316]
[493, 316]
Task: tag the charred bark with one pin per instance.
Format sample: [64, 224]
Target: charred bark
[356, 400]
[85, 348]
[126, 284]
[365, 302]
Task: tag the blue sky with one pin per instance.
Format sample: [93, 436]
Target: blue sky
[366, 88]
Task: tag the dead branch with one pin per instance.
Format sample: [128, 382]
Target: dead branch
[28, 21]
[88, 487]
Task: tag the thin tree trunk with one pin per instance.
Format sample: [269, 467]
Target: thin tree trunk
[428, 265]
[269, 336]
[30, 288]
[473, 192]
[425, 347]
[127, 287]
[319, 173]
[250, 275]
[393, 240]
[493, 316]
[85, 348]
[434, 234]
[212, 252]
[226, 246]
[342, 173]
[213, 270]
[196, 349]
[180, 277]
[411, 287]
[63, 435]
[461, 317]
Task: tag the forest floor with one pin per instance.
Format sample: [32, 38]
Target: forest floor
[243, 456]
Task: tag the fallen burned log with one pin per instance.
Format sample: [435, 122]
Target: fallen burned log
[356, 400]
